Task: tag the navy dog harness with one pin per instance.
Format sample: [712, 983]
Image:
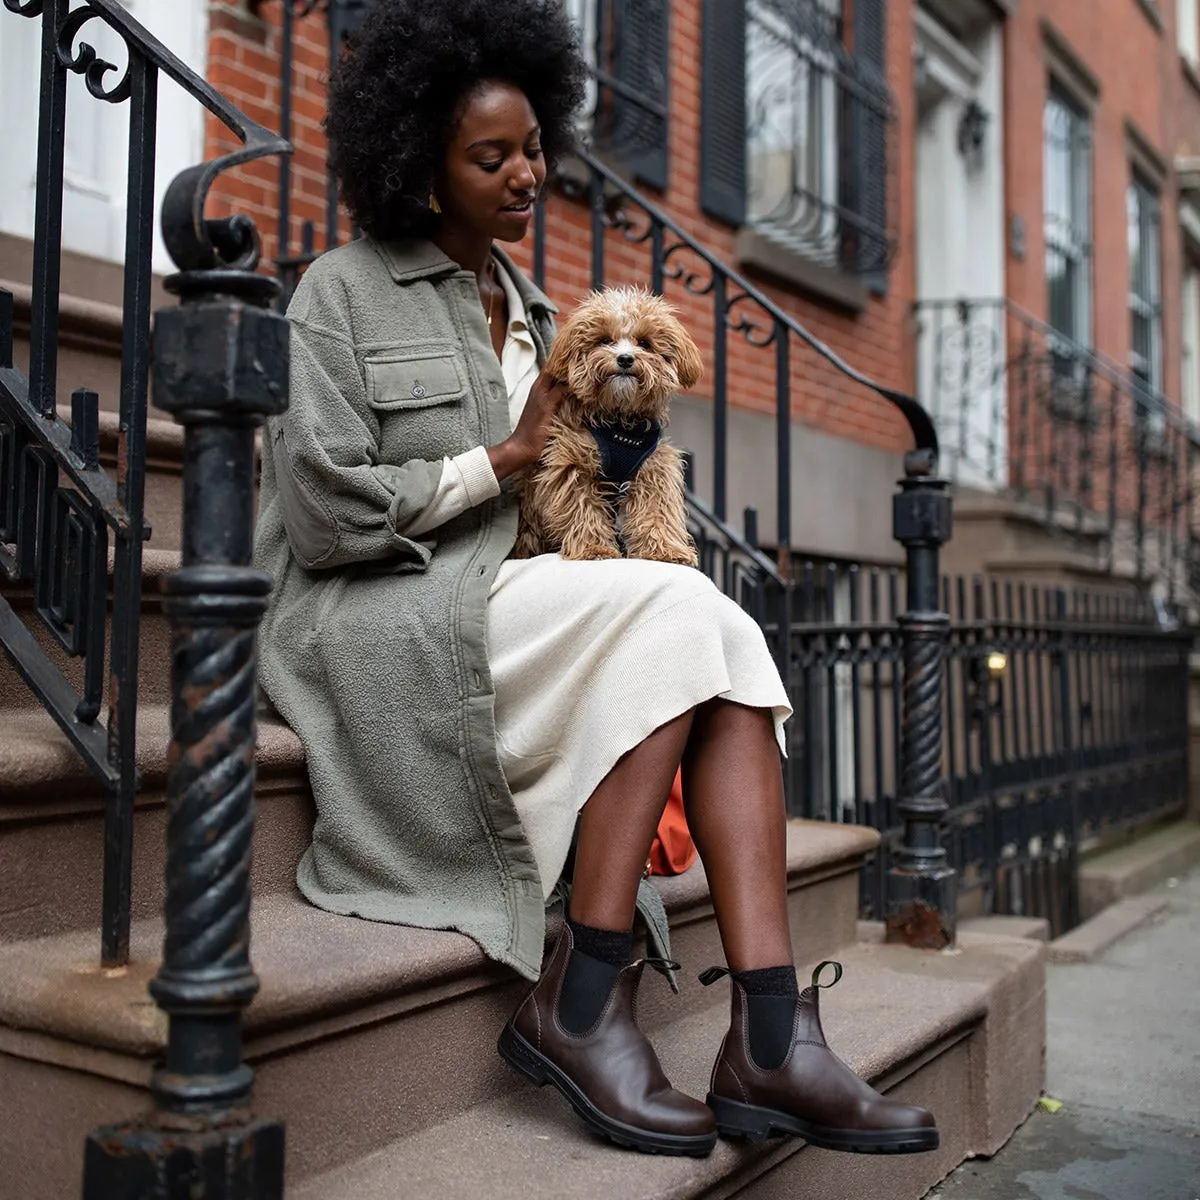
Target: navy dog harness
[623, 449]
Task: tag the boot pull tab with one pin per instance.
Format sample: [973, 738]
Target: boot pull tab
[712, 974]
[816, 975]
[664, 966]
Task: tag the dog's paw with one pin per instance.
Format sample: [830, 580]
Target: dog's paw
[678, 556]
[679, 551]
[579, 551]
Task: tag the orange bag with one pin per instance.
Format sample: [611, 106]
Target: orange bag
[672, 851]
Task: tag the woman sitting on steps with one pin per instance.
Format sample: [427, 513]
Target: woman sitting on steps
[462, 712]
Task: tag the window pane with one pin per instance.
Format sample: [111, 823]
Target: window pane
[1190, 344]
[1145, 295]
[792, 61]
[1189, 30]
[1067, 208]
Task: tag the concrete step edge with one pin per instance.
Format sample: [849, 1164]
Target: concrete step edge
[888, 1019]
[315, 965]
[1105, 929]
[1130, 867]
[44, 777]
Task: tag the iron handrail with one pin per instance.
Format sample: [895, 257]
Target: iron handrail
[1097, 363]
[919, 421]
[36, 444]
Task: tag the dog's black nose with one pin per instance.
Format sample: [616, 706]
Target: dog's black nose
[625, 361]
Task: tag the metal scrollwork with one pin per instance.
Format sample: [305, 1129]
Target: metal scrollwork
[740, 322]
[699, 281]
[634, 228]
[30, 8]
[86, 62]
[195, 243]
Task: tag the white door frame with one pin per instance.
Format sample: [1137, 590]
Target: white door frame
[97, 138]
[960, 247]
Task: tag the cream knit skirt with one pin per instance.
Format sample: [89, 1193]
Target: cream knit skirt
[589, 658]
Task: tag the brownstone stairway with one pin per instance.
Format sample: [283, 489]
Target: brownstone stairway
[375, 1043]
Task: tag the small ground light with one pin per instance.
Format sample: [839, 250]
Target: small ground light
[997, 664]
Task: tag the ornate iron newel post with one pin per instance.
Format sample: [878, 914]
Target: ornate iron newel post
[922, 886]
[220, 367]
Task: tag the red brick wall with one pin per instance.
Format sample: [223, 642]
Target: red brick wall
[1134, 63]
[244, 65]
[244, 58]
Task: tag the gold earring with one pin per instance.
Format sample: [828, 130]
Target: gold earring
[434, 206]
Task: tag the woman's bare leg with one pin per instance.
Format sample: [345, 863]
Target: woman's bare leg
[617, 826]
[733, 794]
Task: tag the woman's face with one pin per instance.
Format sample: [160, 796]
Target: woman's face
[494, 167]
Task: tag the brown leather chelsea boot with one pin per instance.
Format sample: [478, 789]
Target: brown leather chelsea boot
[812, 1094]
[610, 1073]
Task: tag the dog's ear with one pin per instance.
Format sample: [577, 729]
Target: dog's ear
[564, 349]
[689, 365]
[556, 359]
[570, 342]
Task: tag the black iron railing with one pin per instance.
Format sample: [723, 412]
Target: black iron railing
[1080, 442]
[620, 216]
[220, 364]
[1064, 719]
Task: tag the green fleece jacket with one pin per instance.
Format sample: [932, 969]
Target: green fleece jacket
[374, 647]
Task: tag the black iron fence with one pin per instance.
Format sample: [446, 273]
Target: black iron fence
[220, 363]
[1089, 447]
[1083, 725]
[1064, 720]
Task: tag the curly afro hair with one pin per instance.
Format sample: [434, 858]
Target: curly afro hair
[397, 92]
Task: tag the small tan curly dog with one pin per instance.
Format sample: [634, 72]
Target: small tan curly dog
[606, 476]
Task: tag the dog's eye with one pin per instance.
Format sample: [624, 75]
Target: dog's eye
[645, 343]
[604, 341]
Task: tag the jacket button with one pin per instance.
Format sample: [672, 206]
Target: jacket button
[418, 390]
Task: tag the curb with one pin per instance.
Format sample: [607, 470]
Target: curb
[1093, 937]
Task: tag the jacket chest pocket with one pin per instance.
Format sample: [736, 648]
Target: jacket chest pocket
[419, 397]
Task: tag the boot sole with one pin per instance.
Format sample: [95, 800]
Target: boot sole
[538, 1069]
[753, 1124]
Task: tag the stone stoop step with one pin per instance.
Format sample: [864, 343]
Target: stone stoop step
[363, 1033]
[52, 821]
[927, 1028]
[1134, 865]
[154, 637]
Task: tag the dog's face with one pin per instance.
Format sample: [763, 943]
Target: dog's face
[623, 353]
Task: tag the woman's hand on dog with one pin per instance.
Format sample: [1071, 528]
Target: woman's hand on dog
[526, 443]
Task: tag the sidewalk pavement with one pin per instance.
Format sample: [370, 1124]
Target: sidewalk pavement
[1123, 1056]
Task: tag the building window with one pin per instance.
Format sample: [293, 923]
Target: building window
[626, 44]
[792, 125]
[1068, 219]
[1190, 344]
[1188, 30]
[1145, 287]
[796, 121]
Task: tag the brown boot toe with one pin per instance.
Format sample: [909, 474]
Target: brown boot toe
[610, 1074]
[812, 1094]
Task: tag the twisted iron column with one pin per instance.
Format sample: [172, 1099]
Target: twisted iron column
[220, 367]
[922, 888]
